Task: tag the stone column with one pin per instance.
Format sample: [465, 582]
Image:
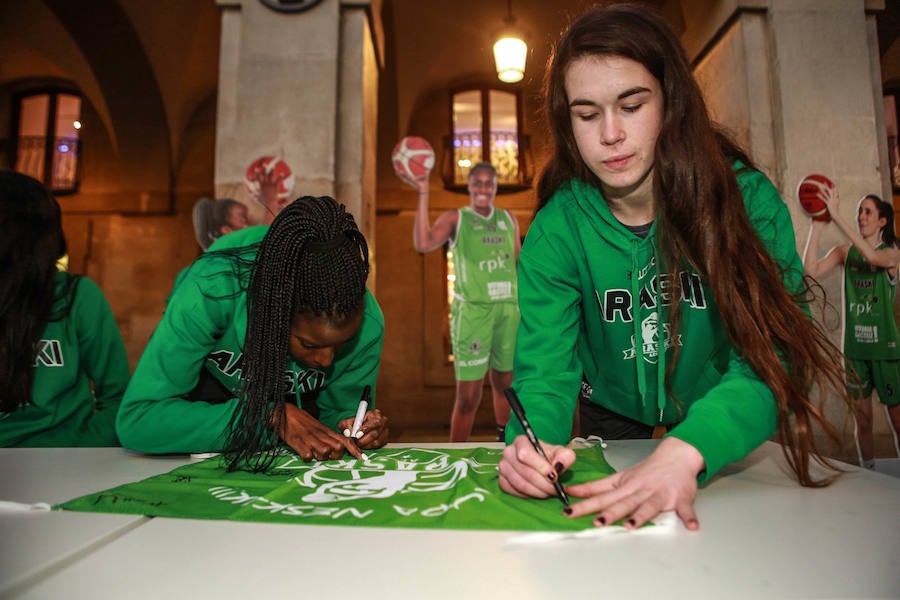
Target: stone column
[300, 86]
[797, 82]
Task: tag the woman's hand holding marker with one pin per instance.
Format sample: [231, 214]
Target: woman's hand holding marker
[372, 433]
[313, 440]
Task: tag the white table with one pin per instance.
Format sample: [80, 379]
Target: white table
[37, 543]
[761, 535]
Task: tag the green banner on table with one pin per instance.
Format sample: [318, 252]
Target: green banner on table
[395, 487]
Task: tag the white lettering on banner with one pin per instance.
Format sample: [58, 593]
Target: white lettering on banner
[442, 509]
[242, 498]
[398, 474]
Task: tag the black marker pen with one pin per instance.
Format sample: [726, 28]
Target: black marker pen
[519, 410]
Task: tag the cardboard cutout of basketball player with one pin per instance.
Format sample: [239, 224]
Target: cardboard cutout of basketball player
[270, 182]
[484, 312]
[215, 218]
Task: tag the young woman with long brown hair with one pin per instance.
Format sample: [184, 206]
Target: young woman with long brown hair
[663, 266]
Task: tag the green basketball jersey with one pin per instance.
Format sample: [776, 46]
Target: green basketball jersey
[871, 329]
[484, 257]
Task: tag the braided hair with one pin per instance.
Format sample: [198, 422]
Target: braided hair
[31, 243]
[313, 261]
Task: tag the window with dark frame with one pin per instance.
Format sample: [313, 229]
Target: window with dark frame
[47, 143]
[486, 126]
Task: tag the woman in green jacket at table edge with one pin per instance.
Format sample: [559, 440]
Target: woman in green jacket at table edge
[277, 319]
[663, 267]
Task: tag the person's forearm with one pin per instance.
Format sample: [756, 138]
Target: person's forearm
[811, 251]
[420, 231]
[866, 249]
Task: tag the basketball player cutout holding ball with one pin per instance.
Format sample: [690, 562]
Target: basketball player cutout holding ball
[484, 314]
[871, 337]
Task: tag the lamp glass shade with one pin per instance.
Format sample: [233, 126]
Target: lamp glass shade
[509, 56]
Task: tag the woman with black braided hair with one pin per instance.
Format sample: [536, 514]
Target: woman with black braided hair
[278, 320]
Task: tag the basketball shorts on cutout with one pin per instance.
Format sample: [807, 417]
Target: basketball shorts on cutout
[482, 335]
[880, 375]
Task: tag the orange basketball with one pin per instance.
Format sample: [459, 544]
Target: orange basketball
[413, 157]
[808, 194]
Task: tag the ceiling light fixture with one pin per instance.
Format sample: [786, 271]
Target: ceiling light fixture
[510, 51]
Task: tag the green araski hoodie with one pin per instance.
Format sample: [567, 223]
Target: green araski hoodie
[575, 295]
[81, 370]
[204, 328]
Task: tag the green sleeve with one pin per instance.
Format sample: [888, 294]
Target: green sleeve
[155, 416]
[740, 413]
[102, 377]
[547, 369]
[340, 398]
[103, 359]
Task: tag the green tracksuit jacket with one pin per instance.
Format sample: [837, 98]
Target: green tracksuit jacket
[591, 300]
[81, 370]
[204, 327]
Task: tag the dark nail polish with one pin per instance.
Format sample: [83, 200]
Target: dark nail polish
[600, 521]
[551, 476]
[631, 523]
[567, 510]
[559, 467]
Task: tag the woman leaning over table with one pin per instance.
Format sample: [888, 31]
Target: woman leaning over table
[663, 266]
[270, 336]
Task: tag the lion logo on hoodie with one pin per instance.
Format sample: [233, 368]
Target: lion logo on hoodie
[650, 340]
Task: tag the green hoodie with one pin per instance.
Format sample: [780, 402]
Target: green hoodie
[575, 296]
[80, 373]
[204, 327]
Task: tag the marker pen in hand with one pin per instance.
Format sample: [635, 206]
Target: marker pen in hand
[360, 414]
[519, 411]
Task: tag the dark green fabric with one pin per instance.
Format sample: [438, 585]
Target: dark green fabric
[397, 487]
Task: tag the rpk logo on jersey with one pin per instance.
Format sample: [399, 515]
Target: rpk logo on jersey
[862, 308]
[650, 341]
[499, 260]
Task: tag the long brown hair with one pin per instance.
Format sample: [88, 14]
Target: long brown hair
[702, 222]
